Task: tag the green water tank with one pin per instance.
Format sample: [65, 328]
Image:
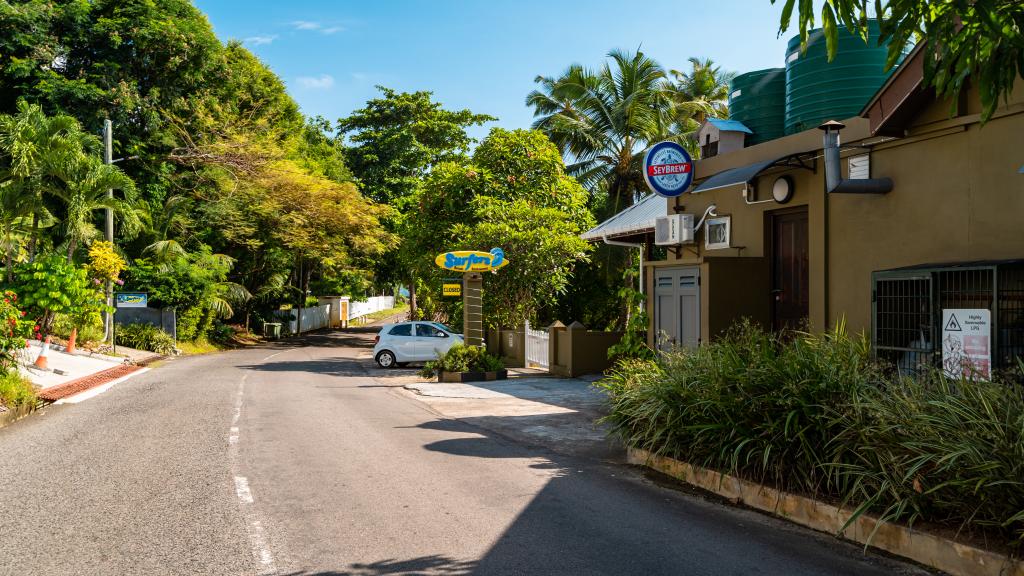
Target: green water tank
[758, 100]
[818, 90]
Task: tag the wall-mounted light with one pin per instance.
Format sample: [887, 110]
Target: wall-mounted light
[782, 189]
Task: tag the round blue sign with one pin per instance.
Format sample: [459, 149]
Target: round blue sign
[668, 169]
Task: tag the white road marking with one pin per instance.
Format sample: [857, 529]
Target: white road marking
[242, 489]
[258, 540]
[274, 354]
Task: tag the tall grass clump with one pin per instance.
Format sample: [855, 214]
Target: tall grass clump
[812, 413]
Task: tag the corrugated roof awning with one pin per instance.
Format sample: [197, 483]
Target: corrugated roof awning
[746, 174]
[637, 219]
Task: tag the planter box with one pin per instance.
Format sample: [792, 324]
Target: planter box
[443, 376]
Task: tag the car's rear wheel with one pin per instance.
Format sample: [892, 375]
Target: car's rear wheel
[386, 359]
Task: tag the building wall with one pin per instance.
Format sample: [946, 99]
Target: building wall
[957, 196]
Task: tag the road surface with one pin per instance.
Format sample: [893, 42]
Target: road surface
[305, 459]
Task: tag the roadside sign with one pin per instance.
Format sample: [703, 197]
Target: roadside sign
[668, 169]
[472, 260]
[131, 299]
[452, 288]
[967, 342]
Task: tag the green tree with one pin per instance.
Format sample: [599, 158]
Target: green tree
[980, 40]
[615, 114]
[702, 92]
[515, 195]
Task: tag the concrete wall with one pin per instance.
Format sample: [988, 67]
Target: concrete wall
[957, 197]
[510, 344]
[578, 351]
[162, 318]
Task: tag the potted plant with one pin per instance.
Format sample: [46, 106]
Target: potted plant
[465, 364]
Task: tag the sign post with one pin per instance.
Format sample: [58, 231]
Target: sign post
[472, 263]
[125, 300]
[668, 169]
[967, 342]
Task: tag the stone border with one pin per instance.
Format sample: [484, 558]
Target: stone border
[12, 415]
[928, 549]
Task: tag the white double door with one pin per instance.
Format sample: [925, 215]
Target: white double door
[677, 307]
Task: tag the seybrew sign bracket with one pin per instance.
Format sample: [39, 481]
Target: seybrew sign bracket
[668, 169]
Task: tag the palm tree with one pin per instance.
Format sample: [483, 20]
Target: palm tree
[85, 181]
[704, 90]
[18, 211]
[605, 120]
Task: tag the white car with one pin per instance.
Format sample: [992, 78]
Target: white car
[398, 344]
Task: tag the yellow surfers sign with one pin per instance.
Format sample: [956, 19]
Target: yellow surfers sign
[471, 260]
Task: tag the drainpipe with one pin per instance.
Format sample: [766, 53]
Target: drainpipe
[630, 245]
[834, 183]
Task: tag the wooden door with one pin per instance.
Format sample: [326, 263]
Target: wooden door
[790, 284]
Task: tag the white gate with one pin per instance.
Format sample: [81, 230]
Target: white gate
[536, 347]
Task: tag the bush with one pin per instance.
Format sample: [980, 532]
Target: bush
[187, 323]
[90, 332]
[16, 390]
[813, 414]
[145, 337]
[462, 358]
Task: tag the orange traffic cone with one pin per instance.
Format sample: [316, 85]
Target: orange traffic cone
[71, 341]
[41, 362]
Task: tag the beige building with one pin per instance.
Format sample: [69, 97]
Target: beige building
[944, 231]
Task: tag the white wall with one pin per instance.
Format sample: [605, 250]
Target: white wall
[312, 318]
[374, 304]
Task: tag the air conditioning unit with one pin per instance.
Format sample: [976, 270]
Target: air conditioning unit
[674, 229]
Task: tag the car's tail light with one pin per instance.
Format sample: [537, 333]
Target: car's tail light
[376, 339]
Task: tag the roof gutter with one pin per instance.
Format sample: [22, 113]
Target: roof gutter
[640, 280]
[834, 183]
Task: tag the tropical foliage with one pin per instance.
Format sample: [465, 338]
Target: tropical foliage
[814, 414]
[980, 42]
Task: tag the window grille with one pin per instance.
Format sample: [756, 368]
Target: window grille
[907, 307]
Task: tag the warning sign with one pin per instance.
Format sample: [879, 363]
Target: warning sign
[967, 342]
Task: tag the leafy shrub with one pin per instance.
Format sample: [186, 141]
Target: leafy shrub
[89, 332]
[13, 330]
[52, 285]
[813, 414]
[187, 323]
[16, 390]
[145, 337]
[462, 358]
[221, 332]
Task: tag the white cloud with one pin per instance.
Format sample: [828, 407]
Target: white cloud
[306, 25]
[321, 82]
[260, 40]
[332, 30]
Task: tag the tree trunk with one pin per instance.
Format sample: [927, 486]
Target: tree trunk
[34, 238]
[71, 250]
[412, 299]
[9, 261]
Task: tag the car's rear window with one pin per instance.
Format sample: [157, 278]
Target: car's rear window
[401, 330]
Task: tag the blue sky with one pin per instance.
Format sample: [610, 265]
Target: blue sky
[481, 55]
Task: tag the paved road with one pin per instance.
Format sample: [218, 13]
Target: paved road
[305, 460]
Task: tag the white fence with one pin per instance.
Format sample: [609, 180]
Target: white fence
[373, 304]
[312, 318]
[536, 347]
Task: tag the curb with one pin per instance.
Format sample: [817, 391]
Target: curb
[99, 389]
[12, 415]
[947, 555]
[77, 386]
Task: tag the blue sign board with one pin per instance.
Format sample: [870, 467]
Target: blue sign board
[668, 169]
[131, 299]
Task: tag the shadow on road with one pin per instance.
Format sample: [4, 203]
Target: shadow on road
[424, 565]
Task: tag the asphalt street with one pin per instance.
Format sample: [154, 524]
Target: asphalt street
[305, 459]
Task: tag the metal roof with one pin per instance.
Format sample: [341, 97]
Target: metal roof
[729, 125]
[633, 220]
[746, 174]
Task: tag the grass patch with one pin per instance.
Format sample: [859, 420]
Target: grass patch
[201, 346]
[381, 314]
[16, 390]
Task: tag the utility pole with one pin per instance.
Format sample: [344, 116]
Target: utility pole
[108, 158]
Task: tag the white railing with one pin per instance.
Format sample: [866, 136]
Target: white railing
[312, 318]
[536, 347]
[371, 305]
